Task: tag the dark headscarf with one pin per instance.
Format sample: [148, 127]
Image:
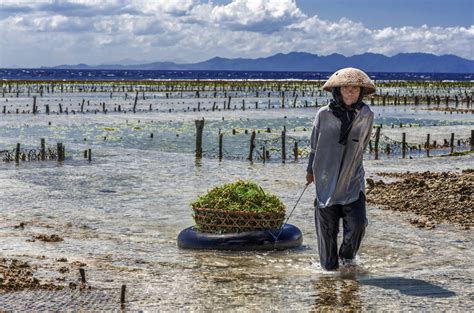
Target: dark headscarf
[345, 114]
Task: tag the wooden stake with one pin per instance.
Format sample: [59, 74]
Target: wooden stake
[82, 272]
[427, 145]
[252, 146]
[135, 103]
[377, 137]
[283, 146]
[221, 135]
[452, 142]
[404, 144]
[43, 150]
[472, 140]
[17, 153]
[122, 294]
[59, 150]
[199, 128]
[34, 104]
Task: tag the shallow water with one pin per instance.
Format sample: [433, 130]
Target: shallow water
[121, 215]
[175, 132]
[128, 235]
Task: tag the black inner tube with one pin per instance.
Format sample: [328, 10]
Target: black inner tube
[290, 238]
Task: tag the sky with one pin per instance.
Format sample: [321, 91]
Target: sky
[46, 33]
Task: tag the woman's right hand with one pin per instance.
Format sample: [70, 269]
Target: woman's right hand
[309, 178]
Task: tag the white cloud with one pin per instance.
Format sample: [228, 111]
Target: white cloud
[256, 15]
[174, 7]
[53, 32]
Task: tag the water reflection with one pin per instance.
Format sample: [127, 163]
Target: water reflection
[334, 293]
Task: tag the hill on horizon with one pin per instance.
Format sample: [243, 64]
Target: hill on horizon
[303, 61]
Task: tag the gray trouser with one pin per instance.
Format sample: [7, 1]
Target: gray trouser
[327, 227]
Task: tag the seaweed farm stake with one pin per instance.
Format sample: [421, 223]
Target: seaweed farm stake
[220, 145]
[283, 146]
[427, 145]
[17, 153]
[404, 144]
[34, 104]
[295, 150]
[135, 103]
[452, 142]
[252, 146]
[199, 128]
[377, 137]
[43, 150]
[82, 272]
[472, 140]
[122, 295]
[60, 152]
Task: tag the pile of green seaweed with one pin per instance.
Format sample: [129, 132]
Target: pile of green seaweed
[237, 207]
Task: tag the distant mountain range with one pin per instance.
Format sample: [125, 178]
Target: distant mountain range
[307, 62]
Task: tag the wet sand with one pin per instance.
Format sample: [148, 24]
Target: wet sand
[435, 197]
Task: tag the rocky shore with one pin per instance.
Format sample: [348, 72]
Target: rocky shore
[19, 275]
[16, 275]
[445, 197]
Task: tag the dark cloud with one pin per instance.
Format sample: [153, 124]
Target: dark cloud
[11, 10]
[267, 27]
[77, 9]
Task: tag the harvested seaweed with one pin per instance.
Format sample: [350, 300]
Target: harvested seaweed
[240, 196]
[237, 207]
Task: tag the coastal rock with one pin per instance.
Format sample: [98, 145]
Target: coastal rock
[444, 197]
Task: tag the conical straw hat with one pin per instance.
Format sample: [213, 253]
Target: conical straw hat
[350, 76]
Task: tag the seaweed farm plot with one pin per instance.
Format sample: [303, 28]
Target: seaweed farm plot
[92, 97]
[167, 136]
[260, 139]
[161, 115]
[42, 154]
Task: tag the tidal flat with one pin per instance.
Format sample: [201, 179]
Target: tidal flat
[117, 215]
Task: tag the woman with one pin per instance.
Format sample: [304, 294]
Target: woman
[340, 135]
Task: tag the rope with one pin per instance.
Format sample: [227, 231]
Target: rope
[283, 225]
